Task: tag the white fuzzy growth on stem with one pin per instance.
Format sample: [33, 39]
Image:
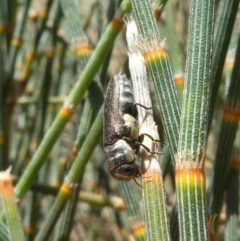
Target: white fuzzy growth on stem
[150, 162]
[132, 34]
[147, 125]
[5, 175]
[140, 87]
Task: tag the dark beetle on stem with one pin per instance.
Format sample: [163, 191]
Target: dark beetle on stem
[121, 130]
[121, 137]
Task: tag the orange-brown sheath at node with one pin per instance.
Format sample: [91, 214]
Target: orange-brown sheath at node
[66, 112]
[121, 205]
[44, 14]
[1, 139]
[231, 115]
[30, 57]
[229, 65]
[235, 165]
[155, 54]
[139, 231]
[33, 16]
[6, 188]
[157, 14]
[83, 51]
[16, 42]
[74, 153]
[117, 23]
[190, 176]
[179, 80]
[151, 176]
[29, 230]
[3, 28]
[24, 78]
[67, 190]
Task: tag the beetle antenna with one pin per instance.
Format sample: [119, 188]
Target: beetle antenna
[146, 108]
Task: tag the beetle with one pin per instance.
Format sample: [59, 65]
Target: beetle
[121, 129]
[121, 138]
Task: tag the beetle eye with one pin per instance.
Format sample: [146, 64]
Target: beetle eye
[129, 169]
[126, 172]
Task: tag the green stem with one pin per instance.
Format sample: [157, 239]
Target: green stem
[73, 176]
[157, 62]
[190, 175]
[225, 21]
[10, 208]
[72, 101]
[228, 131]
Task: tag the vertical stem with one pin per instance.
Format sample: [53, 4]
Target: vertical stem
[157, 62]
[9, 207]
[190, 175]
[70, 104]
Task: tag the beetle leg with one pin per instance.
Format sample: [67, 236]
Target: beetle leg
[145, 134]
[149, 151]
